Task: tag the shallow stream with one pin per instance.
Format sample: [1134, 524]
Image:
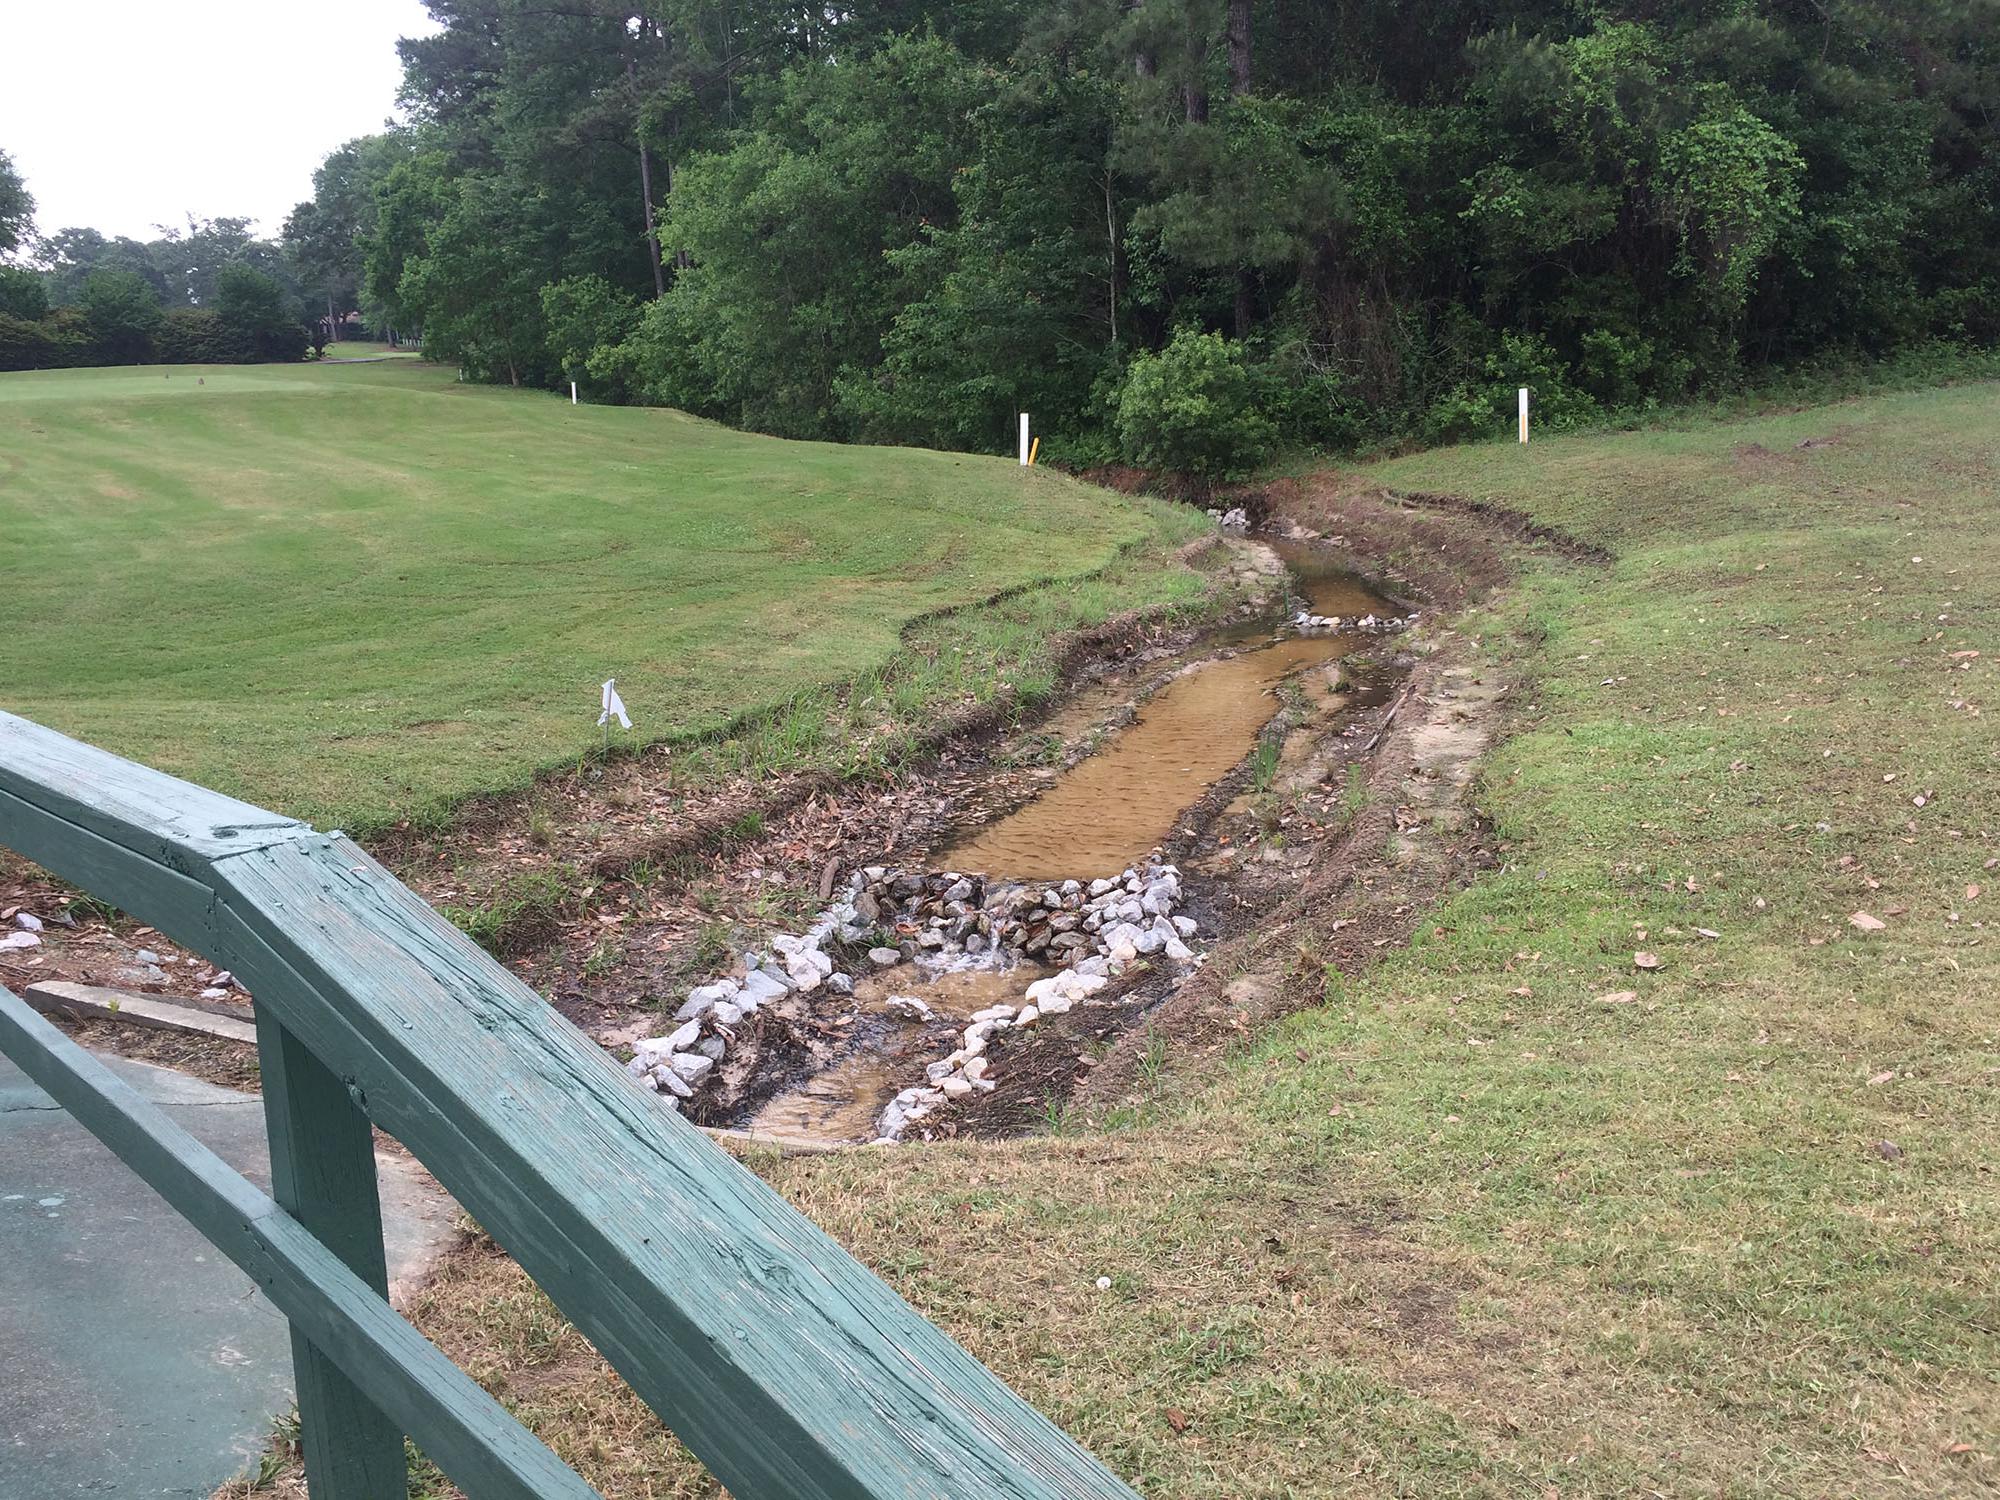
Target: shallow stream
[1124, 800]
[1099, 818]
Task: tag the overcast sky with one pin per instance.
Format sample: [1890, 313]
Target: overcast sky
[123, 114]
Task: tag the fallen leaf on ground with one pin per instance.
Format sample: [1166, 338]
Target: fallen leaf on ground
[1882, 1077]
[1177, 1419]
[1646, 961]
[1865, 922]
[1618, 997]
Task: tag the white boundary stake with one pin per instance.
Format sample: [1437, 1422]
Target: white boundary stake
[1524, 414]
[1024, 440]
[572, 393]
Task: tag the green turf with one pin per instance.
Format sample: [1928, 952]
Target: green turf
[1508, 1215]
[364, 591]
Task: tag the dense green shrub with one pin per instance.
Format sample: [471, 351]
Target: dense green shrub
[118, 320]
[199, 336]
[25, 345]
[123, 315]
[23, 294]
[75, 341]
[1190, 409]
[257, 310]
[586, 314]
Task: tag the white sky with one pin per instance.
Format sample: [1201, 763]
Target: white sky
[123, 114]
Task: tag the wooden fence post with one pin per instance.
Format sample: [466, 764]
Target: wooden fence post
[323, 1175]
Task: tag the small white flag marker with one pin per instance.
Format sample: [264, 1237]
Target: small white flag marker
[614, 706]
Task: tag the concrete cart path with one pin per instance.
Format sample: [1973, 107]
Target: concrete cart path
[134, 1358]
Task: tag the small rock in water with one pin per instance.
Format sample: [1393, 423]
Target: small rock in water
[906, 1008]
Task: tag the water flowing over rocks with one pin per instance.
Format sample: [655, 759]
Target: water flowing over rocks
[1309, 623]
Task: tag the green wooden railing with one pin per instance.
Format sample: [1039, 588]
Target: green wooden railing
[788, 1368]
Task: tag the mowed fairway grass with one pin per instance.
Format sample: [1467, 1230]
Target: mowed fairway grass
[359, 593]
[1508, 1214]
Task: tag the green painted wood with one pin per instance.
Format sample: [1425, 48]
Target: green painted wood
[125, 877]
[118, 799]
[785, 1365]
[323, 1175]
[469, 1435]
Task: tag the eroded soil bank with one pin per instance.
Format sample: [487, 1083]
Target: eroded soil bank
[1261, 767]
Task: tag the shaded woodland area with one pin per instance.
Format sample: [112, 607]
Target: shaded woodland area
[1331, 224]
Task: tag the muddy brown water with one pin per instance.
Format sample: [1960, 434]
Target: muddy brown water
[841, 1102]
[1121, 802]
[1100, 817]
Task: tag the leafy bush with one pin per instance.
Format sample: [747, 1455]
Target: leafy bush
[122, 313]
[25, 345]
[75, 342]
[1485, 406]
[255, 308]
[23, 294]
[586, 315]
[1191, 409]
[199, 336]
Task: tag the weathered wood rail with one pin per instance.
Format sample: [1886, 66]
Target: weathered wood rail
[788, 1368]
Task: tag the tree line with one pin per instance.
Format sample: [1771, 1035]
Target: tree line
[1179, 231]
[211, 293]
